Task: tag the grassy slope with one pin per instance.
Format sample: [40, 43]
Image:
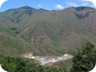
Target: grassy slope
[13, 46]
[48, 32]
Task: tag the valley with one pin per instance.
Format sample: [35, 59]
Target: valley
[40, 40]
[46, 32]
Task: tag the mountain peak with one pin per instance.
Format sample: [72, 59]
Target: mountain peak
[21, 8]
[26, 7]
[81, 8]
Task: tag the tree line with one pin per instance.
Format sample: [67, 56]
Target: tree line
[83, 61]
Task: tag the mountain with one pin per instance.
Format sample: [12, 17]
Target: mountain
[44, 32]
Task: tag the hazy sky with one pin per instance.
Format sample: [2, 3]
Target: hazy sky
[47, 4]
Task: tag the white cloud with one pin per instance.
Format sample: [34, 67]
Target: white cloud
[39, 5]
[58, 6]
[72, 4]
[84, 4]
[92, 1]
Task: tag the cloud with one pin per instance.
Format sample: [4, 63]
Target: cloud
[77, 4]
[58, 6]
[72, 4]
[84, 4]
[1, 2]
[39, 5]
[92, 1]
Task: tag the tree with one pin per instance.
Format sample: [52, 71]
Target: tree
[84, 60]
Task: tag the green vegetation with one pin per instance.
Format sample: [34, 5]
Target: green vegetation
[85, 60]
[41, 32]
[23, 65]
[12, 46]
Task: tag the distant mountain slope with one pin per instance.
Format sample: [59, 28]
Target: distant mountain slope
[49, 32]
[13, 46]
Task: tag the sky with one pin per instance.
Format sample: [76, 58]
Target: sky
[47, 4]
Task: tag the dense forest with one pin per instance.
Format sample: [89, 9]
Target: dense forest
[83, 61]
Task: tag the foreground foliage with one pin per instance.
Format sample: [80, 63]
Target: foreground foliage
[85, 60]
[23, 65]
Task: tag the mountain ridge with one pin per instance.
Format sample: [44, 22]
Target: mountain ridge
[47, 32]
[29, 7]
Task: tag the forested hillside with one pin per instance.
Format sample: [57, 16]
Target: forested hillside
[44, 32]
